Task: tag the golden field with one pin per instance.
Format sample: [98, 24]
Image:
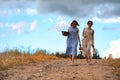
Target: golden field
[12, 58]
[116, 64]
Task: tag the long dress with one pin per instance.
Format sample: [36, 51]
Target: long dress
[87, 41]
[72, 41]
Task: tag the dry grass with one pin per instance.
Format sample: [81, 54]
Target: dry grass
[14, 57]
[116, 64]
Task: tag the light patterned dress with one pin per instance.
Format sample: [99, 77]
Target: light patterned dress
[87, 41]
[72, 41]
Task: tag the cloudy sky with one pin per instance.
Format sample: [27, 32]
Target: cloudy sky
[37, 24]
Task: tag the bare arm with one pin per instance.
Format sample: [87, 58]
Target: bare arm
[83, 34]
[93, 39]
[78, 37]
[68, 29]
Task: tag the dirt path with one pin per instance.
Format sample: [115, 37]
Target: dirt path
[60, 70]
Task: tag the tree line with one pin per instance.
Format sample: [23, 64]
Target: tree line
[79, 56]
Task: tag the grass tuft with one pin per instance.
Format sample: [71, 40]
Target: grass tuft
[12, 58]
[116, 64]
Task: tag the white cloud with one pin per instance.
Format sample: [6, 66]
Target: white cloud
[1, 25]
[79, 9]
[22, 27]
[8, 13]
[111, 28]
[114, 49]
[2, 35]
[60, 25]
[33, 25]
[59, 18]
[3, 12]
[96, 19]
[113, 20]
[107, 20]
[31, 11]
[18, 11]
[50, 19]
[19, 27]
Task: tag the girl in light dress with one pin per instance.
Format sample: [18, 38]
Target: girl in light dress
[88, 41]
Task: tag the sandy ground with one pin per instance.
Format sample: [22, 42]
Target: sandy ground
[60, 70]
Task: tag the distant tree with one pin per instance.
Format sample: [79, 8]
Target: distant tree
[52, 53]
[57, 54]
[96, 54]
[63, 55]
[80, 56]
[110, 56]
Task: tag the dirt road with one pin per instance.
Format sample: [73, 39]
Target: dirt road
[60, 70]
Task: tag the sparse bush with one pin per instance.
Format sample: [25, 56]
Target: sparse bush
[96, 55]
[80, 56]
[61, 55]
[116, 64]
[10, 58]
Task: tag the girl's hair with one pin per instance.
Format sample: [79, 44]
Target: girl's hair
[75, 22]
[90, 22]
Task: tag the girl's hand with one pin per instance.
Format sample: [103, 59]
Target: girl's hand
[94, 51]
[79, 46]
[93, 47]
[84, 35]
[93, 43]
